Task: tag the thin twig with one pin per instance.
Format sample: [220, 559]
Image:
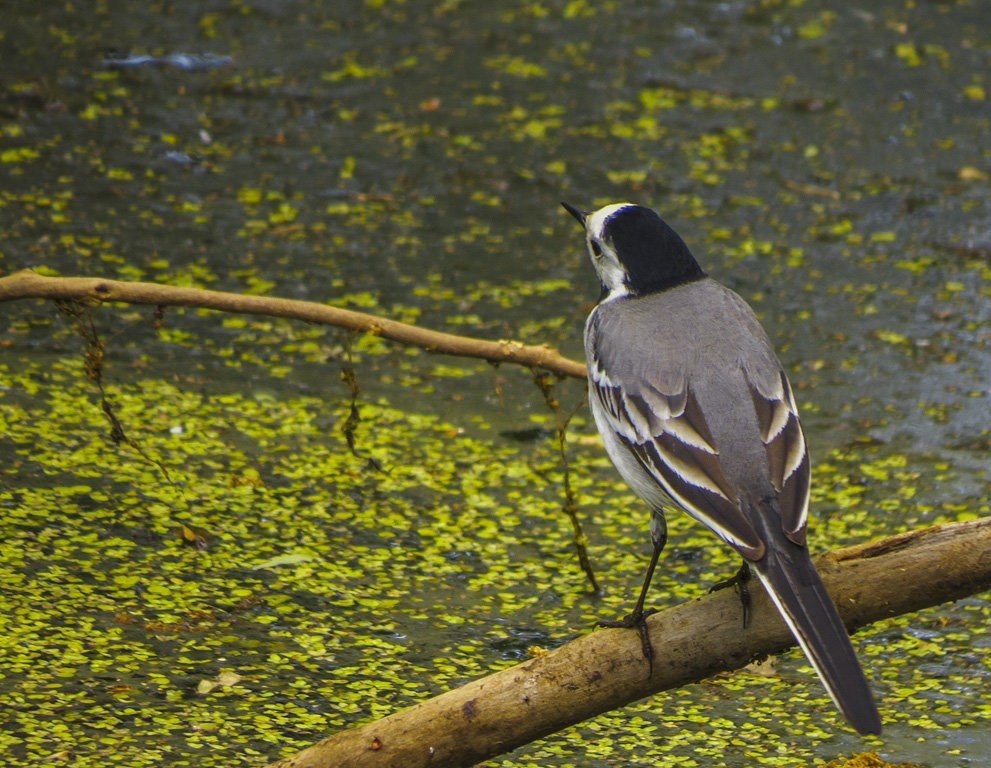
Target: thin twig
[28, 284]
[546, 386]
[82, 316]
[350, 377]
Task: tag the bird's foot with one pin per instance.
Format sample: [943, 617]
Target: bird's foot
[738, 580]
[636, 620]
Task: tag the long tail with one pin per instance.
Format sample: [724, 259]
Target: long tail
[800, 596]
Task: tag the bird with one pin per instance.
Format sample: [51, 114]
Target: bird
[695, 411]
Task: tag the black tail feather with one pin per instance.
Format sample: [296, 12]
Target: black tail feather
[800, 596]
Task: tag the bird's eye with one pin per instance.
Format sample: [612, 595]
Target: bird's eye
[596, 248]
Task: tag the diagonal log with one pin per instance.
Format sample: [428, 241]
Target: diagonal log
[605, 669]
[28, 284]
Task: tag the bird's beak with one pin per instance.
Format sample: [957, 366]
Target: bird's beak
[578, 214]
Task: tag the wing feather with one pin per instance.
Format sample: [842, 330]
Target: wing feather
[787, 453]
[668, 435]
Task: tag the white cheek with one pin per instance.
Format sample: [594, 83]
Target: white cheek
[611, 274]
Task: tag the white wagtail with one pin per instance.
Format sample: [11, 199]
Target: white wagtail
[694, 408]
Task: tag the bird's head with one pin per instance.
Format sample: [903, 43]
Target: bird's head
[635, 253]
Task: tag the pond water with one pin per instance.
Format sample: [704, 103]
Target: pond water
[828, 161]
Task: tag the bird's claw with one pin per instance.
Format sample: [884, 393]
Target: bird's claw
[636, 620]
[738, 580]
[628, 622]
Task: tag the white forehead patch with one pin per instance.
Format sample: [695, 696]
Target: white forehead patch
[596, 221]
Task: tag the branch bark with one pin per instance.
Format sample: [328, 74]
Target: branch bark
[28, 284]
[605, 669]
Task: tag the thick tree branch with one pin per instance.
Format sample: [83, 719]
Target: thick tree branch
[605, 669]
[28, 284]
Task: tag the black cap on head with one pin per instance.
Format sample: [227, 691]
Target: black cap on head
[653, 254]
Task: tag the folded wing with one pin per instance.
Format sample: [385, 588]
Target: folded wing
[663, 426]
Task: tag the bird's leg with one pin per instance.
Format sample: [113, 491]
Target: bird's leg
[638, 617]
[738, 580]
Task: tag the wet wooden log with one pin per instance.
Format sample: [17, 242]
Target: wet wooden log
[605, 669]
